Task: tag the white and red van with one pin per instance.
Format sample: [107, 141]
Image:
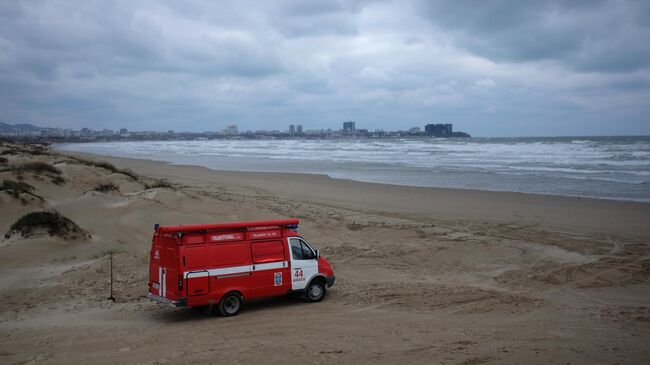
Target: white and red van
[222, 265]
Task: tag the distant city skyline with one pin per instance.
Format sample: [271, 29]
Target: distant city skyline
[518, 68]
[57, 134]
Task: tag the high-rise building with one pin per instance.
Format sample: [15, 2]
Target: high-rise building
[348, 127]
[438, 130]
[299, 129]
[292, 129]
[231, 130]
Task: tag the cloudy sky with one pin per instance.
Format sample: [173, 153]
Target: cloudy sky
[493, 68]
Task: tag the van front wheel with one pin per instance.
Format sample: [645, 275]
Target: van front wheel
[315, 291]
[230, 305]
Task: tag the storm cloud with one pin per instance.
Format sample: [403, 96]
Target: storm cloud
[491, 68]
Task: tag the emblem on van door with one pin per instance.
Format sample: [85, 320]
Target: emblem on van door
[156, 255]
[278, 279]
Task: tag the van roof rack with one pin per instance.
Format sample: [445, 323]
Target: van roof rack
[288, 223]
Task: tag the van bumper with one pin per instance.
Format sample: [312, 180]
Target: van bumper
[330, 280]
[181, 302]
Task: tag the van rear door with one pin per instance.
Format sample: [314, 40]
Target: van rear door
[163, 267]
[170, 271]
[156, 266]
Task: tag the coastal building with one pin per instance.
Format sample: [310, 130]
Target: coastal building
[292, 129]
[231, 130]
[443, 130]
[349, 127]
[438, 130]
[124, 131]
[299, 129]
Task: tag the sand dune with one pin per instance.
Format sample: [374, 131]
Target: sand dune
[423, 275]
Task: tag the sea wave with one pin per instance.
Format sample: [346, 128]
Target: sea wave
[607, 166]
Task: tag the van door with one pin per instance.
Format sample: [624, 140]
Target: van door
[304, 264]
[270, 270]
[197, 278]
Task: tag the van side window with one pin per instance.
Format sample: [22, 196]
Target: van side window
[307, 252]
[296, 249]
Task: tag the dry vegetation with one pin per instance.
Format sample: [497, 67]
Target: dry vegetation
[106, 166]
[105, 188]
[49, 222]
[37, 168]
[159, 184]
[15, 188]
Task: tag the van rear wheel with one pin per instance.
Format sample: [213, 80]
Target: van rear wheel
[315, 291]
[230, 305]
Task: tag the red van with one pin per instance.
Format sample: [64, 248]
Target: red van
[222, 265]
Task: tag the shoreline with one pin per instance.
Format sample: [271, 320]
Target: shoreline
[403, 175]
[566, 213]
[169, 163]
[611, 170]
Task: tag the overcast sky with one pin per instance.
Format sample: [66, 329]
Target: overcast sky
[492, 68]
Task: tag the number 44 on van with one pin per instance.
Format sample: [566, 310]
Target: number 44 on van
[223, 265]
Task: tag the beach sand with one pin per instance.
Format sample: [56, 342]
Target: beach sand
[423, 275]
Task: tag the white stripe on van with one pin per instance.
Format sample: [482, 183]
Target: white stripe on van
[160, 281]
[163, 284]
[270, 266]
[236, 269]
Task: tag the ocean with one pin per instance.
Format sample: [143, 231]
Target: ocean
[600, 167]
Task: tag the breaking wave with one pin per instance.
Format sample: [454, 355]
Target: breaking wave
[607, 167]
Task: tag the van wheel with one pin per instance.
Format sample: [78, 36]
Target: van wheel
[316, 291]
[230, 305]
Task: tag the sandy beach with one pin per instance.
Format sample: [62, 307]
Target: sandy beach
[424, 275]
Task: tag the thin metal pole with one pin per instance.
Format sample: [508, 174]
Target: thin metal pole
[111, 297]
